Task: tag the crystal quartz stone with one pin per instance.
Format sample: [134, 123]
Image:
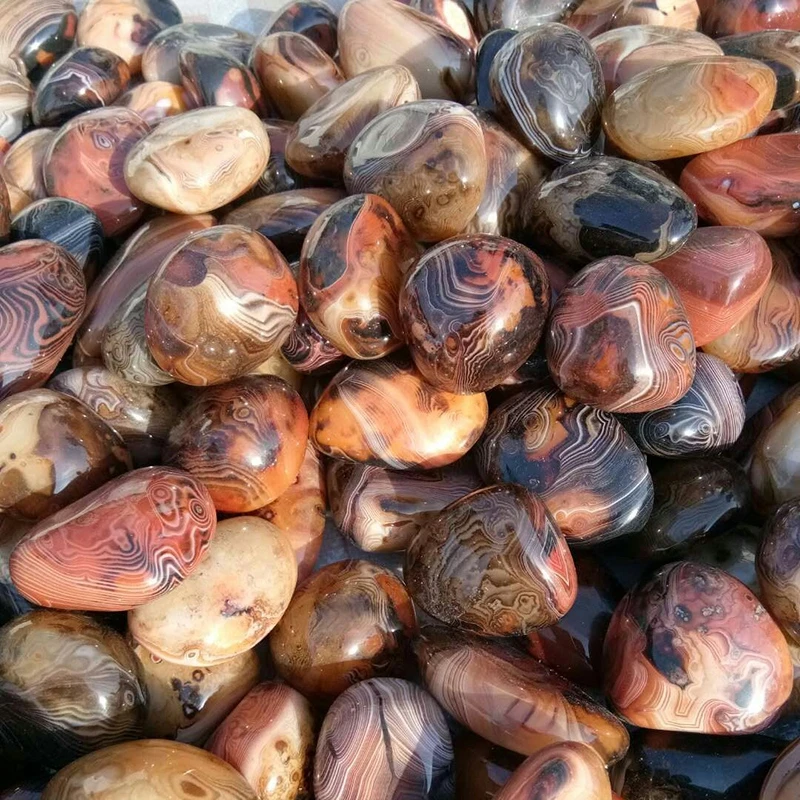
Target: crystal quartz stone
[177, 167]
[619, 338]
[383, 412]
[689, 107]
[682, 644]
[428, 159]
[213, 77]
[156, 100]
[547, 84]
[315, 20]
[440, 60]
[726, 17]
[485, 55]
[240, 590]
[592, 17]
[131, 540]
[22, 163]
[16, 98]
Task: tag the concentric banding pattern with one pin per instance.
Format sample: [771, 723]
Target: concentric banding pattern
[307, 350]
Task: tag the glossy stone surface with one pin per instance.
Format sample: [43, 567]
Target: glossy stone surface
[188, 703]
[42, 290]
[619, 338]
[22, 163]
[592, 17]
[692, 650]
[16, 96]
[269, 738]
[605, 206]
[178, 166]
[12, 603]
[315, 20]
[783, 780]
[156, 100]
[427, 159]
[733, 551]
[277, 176]
[382, 412]
[510, 698]
[391, 735]
[308, 351]
[148, 769]
[318, 143]
[547, 84]
[219, 305]
[768, 336]
[245, 440]
[213, 77]
[382, 510]
[284, 217]
[127, 542]
[86, 78]
[481, 768]
[237, 594]
[141, 415]
[452, 14]
[85, 163]
[493, 562]
[485, 55]
[67, 223]
[491, 15]
[68, 685]
[353, 261]
[440, 60]
[578, 459]
[351, 620]
[740, 16]
[626, 52]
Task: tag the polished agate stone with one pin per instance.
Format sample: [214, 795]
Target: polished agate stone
[284, 217]
[783, 780]
[485, 55]
[354, 259]
[68, 685]
[707, 419]
[53, 451]
[491, 15]
[451, 14]
[12, 603]
[17, 199]
[142, 415]
[510, 698]
[692, 650]
[148, 769]
[427, 158]
[547, 84]
[315, 20]
[689, 107]
[124, 544]
[239, 591]
[277, 176]
[473, 309]
[382, 510]
[16, 97]
[726, 17]
[593, 17]
[308, 351]
[383, 738]
[269, 738]
[349, 621]
[219, 305]
[440, 60]
[768, 335]
[294, 72]
[22, 164]
[481, 768]
[605, 206]
[626, 52]
[84, 162]
[42, 297]
[178, 166]
[619, 338]
[733, 551]
[752, 183]
[578, 459]
[67, 223]
[189, 703]
[213, 77]
[317, 145]
[245, 440]
[86, 78]
[493, 562]
[383, 412]
[156, 100]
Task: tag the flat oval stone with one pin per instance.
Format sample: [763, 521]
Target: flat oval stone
[85, 163]
[605, 206]
[382, 412]
[619, 338]
[317, 145]
[493, 562]
[213, 77]
[440, 60]
[16, 98]
[42, 297]
[428, 159]
[577, 459]
[689, 107]
[547, 85]
[219, 305]
[156, 100]
[740, 16]
[127, 542]
[316, 21]
[229, 604]
[682, 645]
[178, 166]
[22, 163]
[510, 698]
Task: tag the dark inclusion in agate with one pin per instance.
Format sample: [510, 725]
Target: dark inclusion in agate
[484, 58]
[602, 206]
